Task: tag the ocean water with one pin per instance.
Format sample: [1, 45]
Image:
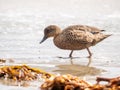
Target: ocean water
[21, 29]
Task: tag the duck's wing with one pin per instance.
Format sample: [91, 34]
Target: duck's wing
[90, 29]
[78, 36]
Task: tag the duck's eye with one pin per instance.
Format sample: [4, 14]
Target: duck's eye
[47, 31]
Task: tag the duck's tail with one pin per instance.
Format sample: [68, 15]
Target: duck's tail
[99, 37]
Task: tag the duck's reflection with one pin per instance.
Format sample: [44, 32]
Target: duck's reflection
[75, 68]
[72, 60]
[89, 61]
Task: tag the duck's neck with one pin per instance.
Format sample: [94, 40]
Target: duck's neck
[58, 32]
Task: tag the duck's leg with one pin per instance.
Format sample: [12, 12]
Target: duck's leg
[70, 55]
[90, 54]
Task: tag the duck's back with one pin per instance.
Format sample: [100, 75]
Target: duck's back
[83, 28]
[77, 37]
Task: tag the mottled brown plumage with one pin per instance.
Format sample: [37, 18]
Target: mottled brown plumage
[75, 37]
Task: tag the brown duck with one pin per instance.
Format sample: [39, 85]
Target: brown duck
[75, 37]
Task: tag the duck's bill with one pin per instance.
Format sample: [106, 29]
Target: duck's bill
[44, 38]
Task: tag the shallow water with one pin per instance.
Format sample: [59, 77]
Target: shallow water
[21, 29]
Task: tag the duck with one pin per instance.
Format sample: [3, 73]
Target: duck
[74, 37]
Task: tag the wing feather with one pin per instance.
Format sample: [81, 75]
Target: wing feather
[78, 36]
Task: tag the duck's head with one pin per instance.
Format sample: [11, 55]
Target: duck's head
[50, 31]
